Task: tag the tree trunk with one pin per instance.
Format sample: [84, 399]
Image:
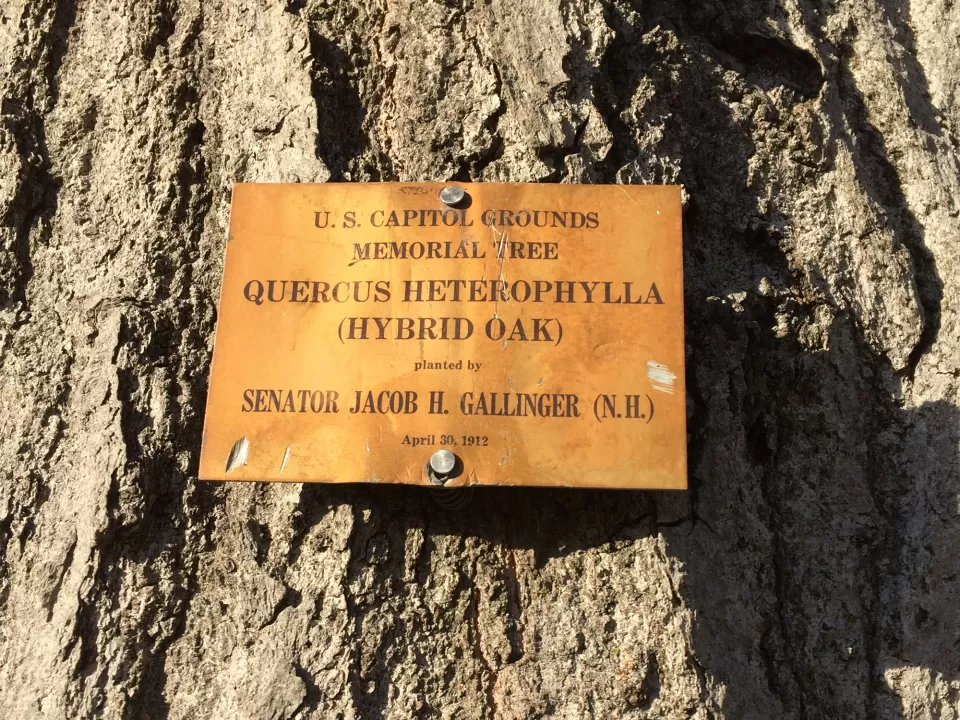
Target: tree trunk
[812, 570]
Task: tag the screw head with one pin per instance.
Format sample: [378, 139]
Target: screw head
[451, 195]
[443, 462]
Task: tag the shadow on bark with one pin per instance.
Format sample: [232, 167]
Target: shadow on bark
[340, 111]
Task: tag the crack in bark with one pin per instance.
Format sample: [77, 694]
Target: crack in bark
[476, 635]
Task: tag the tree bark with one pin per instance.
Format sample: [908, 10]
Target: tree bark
[812, 569]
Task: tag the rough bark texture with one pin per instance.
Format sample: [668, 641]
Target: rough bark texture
[813, 569]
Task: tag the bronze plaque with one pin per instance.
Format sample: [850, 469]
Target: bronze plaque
[535, 331]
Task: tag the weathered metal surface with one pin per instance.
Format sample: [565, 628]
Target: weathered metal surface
[534, 331]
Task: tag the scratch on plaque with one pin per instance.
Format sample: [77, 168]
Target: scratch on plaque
[238, 454]
[296, 332]
[367, 445]
[661, 377]
[624, 191]
[286, 459]
[501, 260]
[608, 342]
[501, 242]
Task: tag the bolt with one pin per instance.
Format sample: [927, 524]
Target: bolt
[452, 195]
[443, 462]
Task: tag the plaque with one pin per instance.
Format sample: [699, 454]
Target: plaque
[455, 334]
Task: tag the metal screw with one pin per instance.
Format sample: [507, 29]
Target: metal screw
[443, 462]
[451, 195]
